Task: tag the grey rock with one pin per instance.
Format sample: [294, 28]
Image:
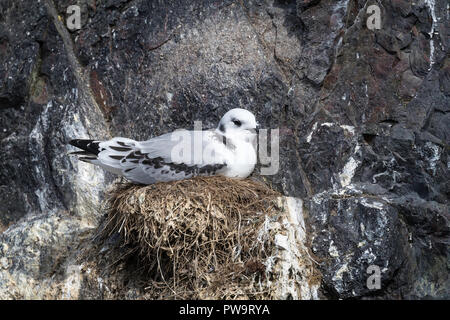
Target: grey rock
[363, 118]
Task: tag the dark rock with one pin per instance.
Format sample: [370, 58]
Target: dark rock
[363, 118]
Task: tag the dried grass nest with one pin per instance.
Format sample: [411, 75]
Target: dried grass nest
[199, 238]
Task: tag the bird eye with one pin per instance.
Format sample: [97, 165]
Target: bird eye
[237, 123]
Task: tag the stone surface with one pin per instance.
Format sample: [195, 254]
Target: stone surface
[363, 117]
[52, 263]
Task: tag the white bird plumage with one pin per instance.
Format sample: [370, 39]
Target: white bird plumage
[229, 150]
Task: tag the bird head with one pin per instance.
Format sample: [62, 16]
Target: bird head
[237, 121]
[239, 124]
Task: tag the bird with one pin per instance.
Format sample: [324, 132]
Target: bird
[228, 150]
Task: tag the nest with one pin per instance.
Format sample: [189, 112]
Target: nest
[200, 238]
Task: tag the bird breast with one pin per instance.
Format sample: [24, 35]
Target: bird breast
[242, 160]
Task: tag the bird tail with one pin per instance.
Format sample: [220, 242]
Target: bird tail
[90, 149]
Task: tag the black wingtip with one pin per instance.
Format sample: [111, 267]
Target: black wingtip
[88, 145]
[80, 153]
[87, 159]
[79, 143]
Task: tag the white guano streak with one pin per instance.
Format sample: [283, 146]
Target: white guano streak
[431, 4]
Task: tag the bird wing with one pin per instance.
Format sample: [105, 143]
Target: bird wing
[191, 148]
[182, 153]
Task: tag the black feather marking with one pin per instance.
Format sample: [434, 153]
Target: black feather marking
[156, 163]
[90, 146]
[120, 148]
[129, 169]
[123, 144]
[133, 155]
[210, 169]
[159, 162]
[236, 122]
[116, 157]
[225, 141]
[81, 153]
[87, 159]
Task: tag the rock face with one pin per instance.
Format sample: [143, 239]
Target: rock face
[364, 118]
